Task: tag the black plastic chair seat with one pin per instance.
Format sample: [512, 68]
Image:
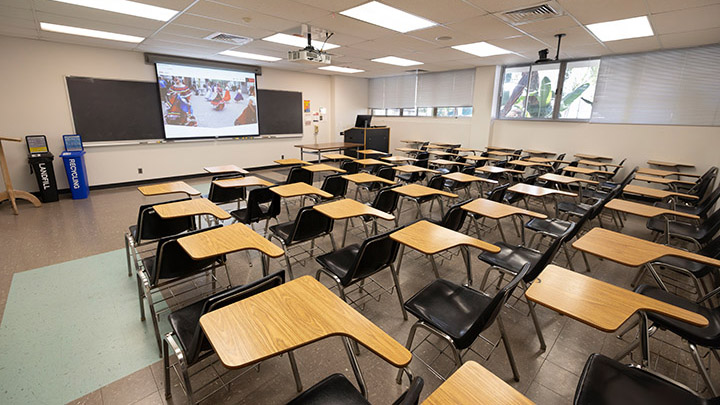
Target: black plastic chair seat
[574, 208]
[511, 257]
[241, 215]
[283, 230]
[698, 270]
[550, 226]
[607, 382]
[184, 323]
[450, 308]
[133, 231]
[708, 336]
[334, 389]
[680, 207]
[406, 177]
[677, 228]
[341, 261]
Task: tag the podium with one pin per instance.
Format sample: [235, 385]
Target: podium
[376, 138]
[10, 193]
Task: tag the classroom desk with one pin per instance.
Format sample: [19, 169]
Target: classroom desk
[473, 150]
[504, 154]
[481, 158]
[648, 211]
[656, 193]
[168, 188]
[298, 189]
[322, 167]
[372, 162]
[592, 157]
[436, 147]
[539, 152]
[528, 163]
[664, 173]
[188, 208]
[229, 239]
[290, 316]
[399, 159]
[546, 160]
[10, 193]
[413, 169]
[558, 178]
[409, 150]
[668, 164]
[248, 181]
[362, 178]
[445, 162]
[586, 171]
[430, 238]
[291, 162]
[597, 164]
[371, 152]
[441, 153]
[497, 211]
[348, 208]
[468, 178]
[672, 183]
[319, 148]
[337, 156]
[539, 192]
[501, 148]
[474, 384]
[495, 169]
[411, 141]
[225, 169]
[417, 191]
[444, 144]
[600, 305]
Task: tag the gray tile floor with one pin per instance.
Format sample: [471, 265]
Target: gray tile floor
[74, 229]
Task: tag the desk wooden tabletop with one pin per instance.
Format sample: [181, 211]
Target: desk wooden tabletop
[168, 188]
[528, 163]
[371, 152]
[436, 147]
[501, 153]
[469, 150]
[467, 178]
[322, 167]
[248, 181]
[330, 146]
[474, 384]
[660, 180]
[644, 210]
[495, 169]
[416, 190]
[431, 238]
[337, 156]
[396, 159]
[546, 160]
[668, 164]
[597, 164]
[410, 141]
[11, 139]
[539, 152]
[558, 178]
[445, 162]
[410, 150]
[225, 169]
[537, 191]
[655, 193]
[289, 316]
[585, 170]
[496, 210]
[592, 157]
[227, 239]
[631, 251]
[188, 208]
[596, 303]
[490, 147]
[445, 144]
[413, 169]
[291, 162]
[441, 153]
[298, 189]
[348, 208]
[370, 162]
[481, 158]
[664, 173]
[361, 178]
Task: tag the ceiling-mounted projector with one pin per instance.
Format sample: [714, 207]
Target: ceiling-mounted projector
[309, 54]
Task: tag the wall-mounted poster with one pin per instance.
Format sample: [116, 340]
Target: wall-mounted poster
[306, 106]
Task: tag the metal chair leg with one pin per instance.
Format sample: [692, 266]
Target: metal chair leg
[296, 374]
[399, 293]
[166, 368]
[567, 255]
[702, 369]
[408, 345]
[508, 350]
[127, 253]
[434, 266]
[587, 263]
[502, 234]
[141, 294]
[533, 315]
[153, 315]
[287, 261]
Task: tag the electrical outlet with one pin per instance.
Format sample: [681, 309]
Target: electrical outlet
[140, 170]
[282, 156]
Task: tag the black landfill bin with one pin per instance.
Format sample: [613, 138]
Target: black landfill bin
[41, 165]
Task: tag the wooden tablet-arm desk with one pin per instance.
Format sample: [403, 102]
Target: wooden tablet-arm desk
[347, 208]
[10, 193]
[648, 211]
[601, 305]
[495, 210]
[168, 188]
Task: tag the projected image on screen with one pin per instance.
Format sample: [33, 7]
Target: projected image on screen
[207, 102]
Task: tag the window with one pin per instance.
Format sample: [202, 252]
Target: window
[445, 111]
[378, 111]
[409, 112]
[392, 112]
[425, 112]
[464, 111]
[530, 92]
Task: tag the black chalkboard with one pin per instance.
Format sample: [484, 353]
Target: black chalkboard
[280, 112]
[115, 110]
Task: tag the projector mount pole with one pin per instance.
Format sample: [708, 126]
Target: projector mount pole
[559, 37]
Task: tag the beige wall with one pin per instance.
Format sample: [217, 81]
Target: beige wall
[35, 102]
[349, 98]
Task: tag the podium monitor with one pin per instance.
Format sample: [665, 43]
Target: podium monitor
[363, 121]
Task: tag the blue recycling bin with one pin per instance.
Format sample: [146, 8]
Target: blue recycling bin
[74, 160]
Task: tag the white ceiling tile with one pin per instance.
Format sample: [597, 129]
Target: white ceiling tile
[645, 44]
[397, 43]
[585, 51]
[221, 12]
[692, 38]
[573, 37]
[341, 39]
[171, 4]
[350, 26]
[443, 54]
[662, 6]
[12, 13]
[213, 46]
[693, 19]
[493, 6]
[519, 44]
[589, 12]
[93, 24]
[431, 34]
[485, 28]
[97, 16]
[358, 53]
[333, 5]
[288, 9]
[74, 39]
[12, 31]
[186, 30]
[221, 26]
[553, 25]
[26, 4]
[441, 12]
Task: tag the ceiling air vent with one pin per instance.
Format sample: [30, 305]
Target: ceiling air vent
[532, 14]
[228, 38]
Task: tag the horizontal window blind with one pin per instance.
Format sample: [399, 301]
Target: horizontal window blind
[393, 92]
[446, 89]
[677, 87]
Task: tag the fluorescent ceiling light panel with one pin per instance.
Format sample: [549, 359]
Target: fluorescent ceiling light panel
[126, 7]
[481, 49]
[622, 29]
[246, 55]
[394, 60]
[300, 42]
[387, 17]
[64, 29]
[341, 69]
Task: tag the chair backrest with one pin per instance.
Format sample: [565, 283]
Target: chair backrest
[549, 254]
[556, 165]
[468, 170]
[335, 185]
[492, 310]
[704, 182]
[411, 396]
[455, 216]
[375, 253]
[298, 174]
[437, 182]
[309, 224]
[262, 203]
[386, 172]
[151, 226]
[222, 195]
[199, 342]
[710, 226]
[350, 167]
[628, 178]
[574, 163]
[422, 156]
[498, 192]
[172, 261]
[617, 169]
[708, 202]
[386, 200]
